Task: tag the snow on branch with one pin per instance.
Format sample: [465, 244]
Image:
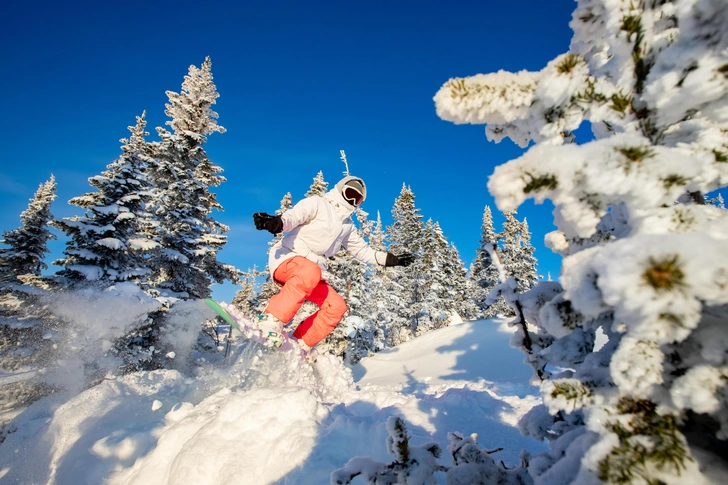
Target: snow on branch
[346, 163]
[499, 98]
[417, 465]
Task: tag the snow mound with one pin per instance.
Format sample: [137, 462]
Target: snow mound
[269, 417]
[246, 435]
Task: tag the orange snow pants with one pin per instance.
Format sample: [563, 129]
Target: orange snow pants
[301, 280]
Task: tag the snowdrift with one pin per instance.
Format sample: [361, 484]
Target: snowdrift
[269, 418]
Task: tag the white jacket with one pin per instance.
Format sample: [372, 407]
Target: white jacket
[318, 227]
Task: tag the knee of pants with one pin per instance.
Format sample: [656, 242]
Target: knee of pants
[311, 276]
[335, 307]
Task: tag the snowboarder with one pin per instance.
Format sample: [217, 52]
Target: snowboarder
[316, 228]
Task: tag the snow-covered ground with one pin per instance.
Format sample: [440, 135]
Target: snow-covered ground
[269, 418]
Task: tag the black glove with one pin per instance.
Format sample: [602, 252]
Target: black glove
[272, 224]
[402, 260]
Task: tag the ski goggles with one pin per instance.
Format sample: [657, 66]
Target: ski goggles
[353, 196]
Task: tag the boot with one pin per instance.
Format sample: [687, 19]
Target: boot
[271, 328]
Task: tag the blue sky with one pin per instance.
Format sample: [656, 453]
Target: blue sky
[299, 81]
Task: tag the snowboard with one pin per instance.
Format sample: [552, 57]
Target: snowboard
[245, 325]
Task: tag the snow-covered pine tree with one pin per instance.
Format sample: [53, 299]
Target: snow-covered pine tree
[429, 306]
[509, 248]
[527, 275]
[377, 236]
[286, 203]
[27, 328]
[517, 252]
[650, 77]
[461, 288]
[246, 298]
[107, 242]
[446, 289]
[454, 290]
[381, 301]
[483, 273]
[319, 185]
[28, 243]
[183, 176]
[406, 235]
[110, 243]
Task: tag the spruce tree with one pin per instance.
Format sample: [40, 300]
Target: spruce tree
[190, 237]
[286, 203]
[107, 243]
[381, 301]
[25, 319]
[461, 288]
[406, 235]
[483, 273]
[517, 252]
[525, 269]
[246, 297]
[447, 291]
[28, 243]
[377, 236]
[446, 270]
[423, 304]
[319, 186]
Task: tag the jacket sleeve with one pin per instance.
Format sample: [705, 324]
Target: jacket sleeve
[358, 248]
[301, 213]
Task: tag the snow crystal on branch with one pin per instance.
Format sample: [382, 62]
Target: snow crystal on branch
[497, 98]
[584, 181]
